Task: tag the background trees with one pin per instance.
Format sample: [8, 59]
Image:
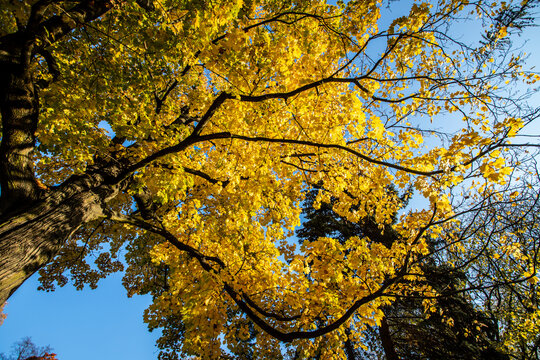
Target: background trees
[27, 350]
[407, 330]
[187, 132]
[502, 265]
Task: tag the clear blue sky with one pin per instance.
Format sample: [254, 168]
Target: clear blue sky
[102, 323]
[80, 325]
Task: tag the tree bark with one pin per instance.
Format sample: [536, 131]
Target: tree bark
[19, 108]
[31, 238]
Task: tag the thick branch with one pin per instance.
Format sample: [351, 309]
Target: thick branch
[56, 27]
[338, 147]
[247, 305]
[31, 238]
[293, 335]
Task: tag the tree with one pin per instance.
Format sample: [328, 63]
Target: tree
[186, 132]
[407, 331]
[27, 350]
[502, 238]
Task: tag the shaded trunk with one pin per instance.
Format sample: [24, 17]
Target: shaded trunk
[386, 340]
[349, 347]
[19, 108]
[31, 238]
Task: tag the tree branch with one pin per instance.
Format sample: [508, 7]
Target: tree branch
[243, 301]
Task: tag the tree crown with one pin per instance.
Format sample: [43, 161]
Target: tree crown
[201, 124]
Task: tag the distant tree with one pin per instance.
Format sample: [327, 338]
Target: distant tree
[503, 240]
[456, 331]
[25, 349]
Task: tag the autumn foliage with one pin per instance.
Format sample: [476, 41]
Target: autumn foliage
[25, 349]
[190, 131]
[44, 357]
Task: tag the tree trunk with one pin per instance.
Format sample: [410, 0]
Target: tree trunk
[349, 347]
[386, 340]
[19, 108]
[31, 238]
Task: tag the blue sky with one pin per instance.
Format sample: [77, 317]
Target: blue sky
[82, 325]
[101, 323]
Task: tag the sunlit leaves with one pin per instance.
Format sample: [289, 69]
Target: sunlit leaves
[224, 112]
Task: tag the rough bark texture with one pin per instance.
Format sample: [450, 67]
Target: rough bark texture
[19, 109]
[31, 238]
